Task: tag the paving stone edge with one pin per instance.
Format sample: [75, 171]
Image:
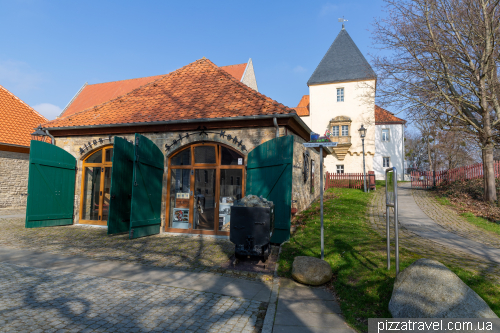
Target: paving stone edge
[267, 327]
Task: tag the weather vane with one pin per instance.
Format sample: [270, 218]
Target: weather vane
[342, 20]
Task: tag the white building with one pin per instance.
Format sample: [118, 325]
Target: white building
[341, 99]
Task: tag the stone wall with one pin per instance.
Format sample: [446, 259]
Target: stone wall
[302, 194]
[13, 179]
[248, 137]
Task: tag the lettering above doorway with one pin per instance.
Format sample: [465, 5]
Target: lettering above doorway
[202, 131]
[97, 142]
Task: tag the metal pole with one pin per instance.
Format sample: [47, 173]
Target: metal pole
[364, 172]
[396, 228]
[387, 212]
[321, 195]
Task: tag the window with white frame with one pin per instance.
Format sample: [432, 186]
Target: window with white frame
[385, 134]
[386, 162]
[340, 168]
[335, 130]
[345, 130]
[340, 94]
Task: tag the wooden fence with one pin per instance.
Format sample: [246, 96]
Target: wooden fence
[428, 179]
[350, 180]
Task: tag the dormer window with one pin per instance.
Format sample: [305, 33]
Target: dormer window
[340, 94]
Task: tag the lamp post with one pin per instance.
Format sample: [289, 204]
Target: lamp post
[40, 134]
[362, 133]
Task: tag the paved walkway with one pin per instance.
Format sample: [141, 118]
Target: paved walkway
[194, 254]
[307, 309]
[42, 292]
[415, 220]
[442, 241]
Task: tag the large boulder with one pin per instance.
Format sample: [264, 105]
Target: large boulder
[311, 271]
[428, 289]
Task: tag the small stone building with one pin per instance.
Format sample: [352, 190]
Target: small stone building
[17, 121]
[209, 124]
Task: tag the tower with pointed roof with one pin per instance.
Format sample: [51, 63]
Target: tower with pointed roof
[341, 99]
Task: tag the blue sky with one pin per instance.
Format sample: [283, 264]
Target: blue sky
[51, 48]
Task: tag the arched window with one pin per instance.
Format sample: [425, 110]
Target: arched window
[96, 183]
[202, 188]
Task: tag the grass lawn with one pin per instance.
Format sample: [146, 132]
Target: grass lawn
[357, 256]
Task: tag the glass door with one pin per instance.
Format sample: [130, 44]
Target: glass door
[204, 199]
[91, 199]
[96, 183]
[204, 181]
[180, 198]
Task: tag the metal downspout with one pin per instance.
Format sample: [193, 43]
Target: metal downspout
[275, 122]
[51, 137]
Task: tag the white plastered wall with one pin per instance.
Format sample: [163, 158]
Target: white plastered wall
[392, 149]
[359, 105]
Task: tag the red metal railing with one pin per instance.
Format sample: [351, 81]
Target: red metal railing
[349, 180]
[427, 179]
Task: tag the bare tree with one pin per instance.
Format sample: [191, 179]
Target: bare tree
[439, 60]
[416, 151]
[432, 149]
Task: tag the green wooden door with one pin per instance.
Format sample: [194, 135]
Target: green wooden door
[269, 173]
[121, 186]
[51, 186]
[147, 181]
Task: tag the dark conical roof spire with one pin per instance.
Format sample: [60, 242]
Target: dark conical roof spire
[342, 62]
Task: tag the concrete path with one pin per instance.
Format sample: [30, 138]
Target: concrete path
[416, 221]
[307, 309]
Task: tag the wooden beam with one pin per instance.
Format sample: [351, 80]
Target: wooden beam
[15, 149]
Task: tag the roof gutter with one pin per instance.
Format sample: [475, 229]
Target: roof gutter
[13, 145]
[188, 121]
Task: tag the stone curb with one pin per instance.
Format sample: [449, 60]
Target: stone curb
[267, 327]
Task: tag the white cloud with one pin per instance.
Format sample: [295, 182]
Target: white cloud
[19, 75]
[49, 111]
[299, 69]
[328, 9]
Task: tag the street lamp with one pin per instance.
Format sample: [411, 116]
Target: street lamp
[40, 134]
[362, 133]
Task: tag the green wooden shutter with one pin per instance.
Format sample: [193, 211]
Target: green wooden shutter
[269, 173]
[51, 186]
[145, 215]
[121, 186]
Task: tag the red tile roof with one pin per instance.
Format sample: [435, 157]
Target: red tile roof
[95, 94]
[383, 116]
[199, 90]
[235, 70]
[99, 93]
[303, 107]
[17, 119]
